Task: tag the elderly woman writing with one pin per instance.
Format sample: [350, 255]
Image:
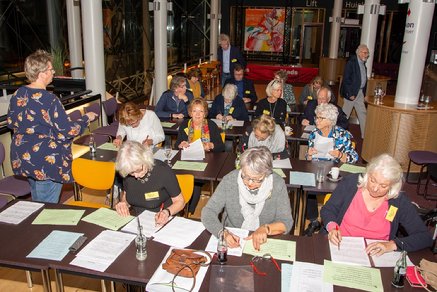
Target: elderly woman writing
[228, 106]
[328, 141]
[273, 105]
[138, 125]
[148, 184]
[252, 198]
[372, 206]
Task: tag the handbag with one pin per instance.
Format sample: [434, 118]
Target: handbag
[429, 272]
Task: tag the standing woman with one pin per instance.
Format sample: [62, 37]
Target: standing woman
[273, 105]
[42, 132]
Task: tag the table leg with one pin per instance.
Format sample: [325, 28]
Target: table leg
[29, 279]
[45, 275]
[59, 281]
[304, 211]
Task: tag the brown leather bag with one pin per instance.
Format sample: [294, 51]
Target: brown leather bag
[186, 262]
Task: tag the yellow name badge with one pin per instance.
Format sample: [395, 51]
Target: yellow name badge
[309, 97]
[231, 110]
[151, 196]
[186, 131]
[266, 112]
[247, 92]
[391, 213]
[234, 60]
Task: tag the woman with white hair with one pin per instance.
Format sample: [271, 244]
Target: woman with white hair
[372, 206]
[253, 198]
[273, 105]
[148, 184]
[328, 141]
[228, 106]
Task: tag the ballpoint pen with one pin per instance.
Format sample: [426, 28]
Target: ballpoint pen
[336, 228]
[160, 210]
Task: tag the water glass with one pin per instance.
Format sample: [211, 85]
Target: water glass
[427, 100]
[167, 153]
[320, 174]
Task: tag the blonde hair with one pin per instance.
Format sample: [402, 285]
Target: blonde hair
[133, 155]
[129, 112]
[264, 124]
[274, 84]
[198, 101]
[36, 63]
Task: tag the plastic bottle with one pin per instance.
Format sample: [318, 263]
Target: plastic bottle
[400, 271]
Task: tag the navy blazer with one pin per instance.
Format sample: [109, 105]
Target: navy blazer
[310, 114]
[239, 112]
[235, 56]
[167, 106]
[352, 79]
[248, 89]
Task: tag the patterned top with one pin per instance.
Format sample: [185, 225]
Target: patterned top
[42, 135]
[342, 142]
[288, 96]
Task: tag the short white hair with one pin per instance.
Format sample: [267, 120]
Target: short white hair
[133, 155]
[258, 160]
[328, 111]
[274, 84]
[360, 48]
[230, 91]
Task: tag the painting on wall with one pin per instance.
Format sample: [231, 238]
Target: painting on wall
[264, 30]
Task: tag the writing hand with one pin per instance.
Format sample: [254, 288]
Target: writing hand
[148, 142]
[161, 217]
[184, 144]
[232, 240]
[334, 236]
[117, 142]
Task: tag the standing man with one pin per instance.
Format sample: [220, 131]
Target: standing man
[245, 88]
[354, 84]
[228, 57]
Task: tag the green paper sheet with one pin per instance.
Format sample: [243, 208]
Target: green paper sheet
[189, 165]
[279, 249]
[58, 217]
[279, 171]
[108, 146]
[362, 278]
[107, 218]
[167, 124]
[352, 168]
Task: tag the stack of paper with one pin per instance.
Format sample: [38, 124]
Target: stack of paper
[16, 213]
[179, 232]
[103, 250]
[308, 277]
[194, 152]
[107, 218]
[352, 251]
[236, 251]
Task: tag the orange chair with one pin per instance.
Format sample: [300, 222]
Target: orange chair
[186, 183]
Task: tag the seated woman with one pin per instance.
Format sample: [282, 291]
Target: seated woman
[252, 198]
[372, 206]
[198, 127]
[265, 132]
[273, 105]
[328, 141]
[287, 89]
[148, 184]
[138, 125]
[227, 105]
[309, 92]
[194, 84]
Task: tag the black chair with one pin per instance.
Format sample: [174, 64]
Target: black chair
[431, 178]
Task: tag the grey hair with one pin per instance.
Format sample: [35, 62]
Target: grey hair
[131, 156]
[361, 47]
[36, 63]
[328, 111]
[230, 91]
[390, 170]
[224, 37]
[328, 90]
[274, 84]
[257, 160]
[177, 81]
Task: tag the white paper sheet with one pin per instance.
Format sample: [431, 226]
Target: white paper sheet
[147, 221]
[352, 251]
[305, 135]
[309, 128]
[233, 123]
[282, 163]
[16, 213]
[194, 152]
[237, 251]
[323, 146]
[103, 250]
[160, 155]
[388, 259]
[308, 277]
[179, 232]
[161, 279]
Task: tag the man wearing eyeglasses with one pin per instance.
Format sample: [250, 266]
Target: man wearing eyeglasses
[245, 87]
[173, 103]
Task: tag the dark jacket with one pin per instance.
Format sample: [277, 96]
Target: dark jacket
[310, 114]
[278, 110]
[248, 89]
[214, 134]
[406, 215]
[167, 106]
[239, 111]
[235, 56]
[352, 79]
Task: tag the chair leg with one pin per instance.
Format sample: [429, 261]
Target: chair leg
[408, 172]
[29, 279]
[419, 181]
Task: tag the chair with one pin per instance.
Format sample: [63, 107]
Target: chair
[14, 186]
[75, 115]
[186, 183]
[111, 107]
[96, 175]
[432, 176]
[422, 158]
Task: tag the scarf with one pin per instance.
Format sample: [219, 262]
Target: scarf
[195, 88]
[246, 198]
[204, 131]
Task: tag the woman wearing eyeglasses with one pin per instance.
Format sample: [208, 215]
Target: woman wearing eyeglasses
[228, 105]
[252, 198]
[138, 125]
[273, 105]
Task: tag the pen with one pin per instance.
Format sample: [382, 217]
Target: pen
[147, 138]
[160, 210]
[336, 228]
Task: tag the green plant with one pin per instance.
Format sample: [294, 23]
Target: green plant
[59, 56]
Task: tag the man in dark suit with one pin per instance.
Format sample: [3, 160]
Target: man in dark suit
[228, 56]
[353, 87]
[245, 87]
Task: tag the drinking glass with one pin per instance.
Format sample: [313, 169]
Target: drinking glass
[167, 153]
[320, 174]
[427, 100]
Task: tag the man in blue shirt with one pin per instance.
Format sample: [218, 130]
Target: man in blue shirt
[228, 56]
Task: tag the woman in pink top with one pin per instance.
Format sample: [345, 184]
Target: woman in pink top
[371, 205]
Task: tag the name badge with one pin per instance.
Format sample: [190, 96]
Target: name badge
[266, 112]
[309, 97]
[231, 110]
[186, 131]
[151, 196]
[234, 60]
[247, 92]
[391, 213]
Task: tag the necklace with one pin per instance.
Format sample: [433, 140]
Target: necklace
[272, 112]
[145, 178]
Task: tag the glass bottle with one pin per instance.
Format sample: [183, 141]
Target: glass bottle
[140, 245]
[400, 271]
[92, 144]
[222, 248]
[237, 160]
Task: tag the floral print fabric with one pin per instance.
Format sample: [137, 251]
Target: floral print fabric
[42, 135]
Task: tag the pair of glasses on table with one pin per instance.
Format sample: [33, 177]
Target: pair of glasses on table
[267, 257]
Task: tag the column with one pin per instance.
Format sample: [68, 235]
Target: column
[160, 47]
[213, 30]
[93, 48]
[53, 16]
[75, 37]
[335, 29]
[413, 58]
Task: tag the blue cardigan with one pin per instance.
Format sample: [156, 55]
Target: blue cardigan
[239, 112]
[418, 235]
[352, 79]
[167, 106]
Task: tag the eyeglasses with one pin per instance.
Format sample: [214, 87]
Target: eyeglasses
[252, 180]
[321, 118]
[266, 256]
[52, 70]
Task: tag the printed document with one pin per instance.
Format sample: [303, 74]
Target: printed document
[236, 251]
[58, 217]
[179, 232]
[282, 163]
[107, 218]
[388, 259]
[16, 213]
[352, 251]
[302, 178]
[308, 277]
[194, 152]
[55, 246]
[147, 221]
[160, 155]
